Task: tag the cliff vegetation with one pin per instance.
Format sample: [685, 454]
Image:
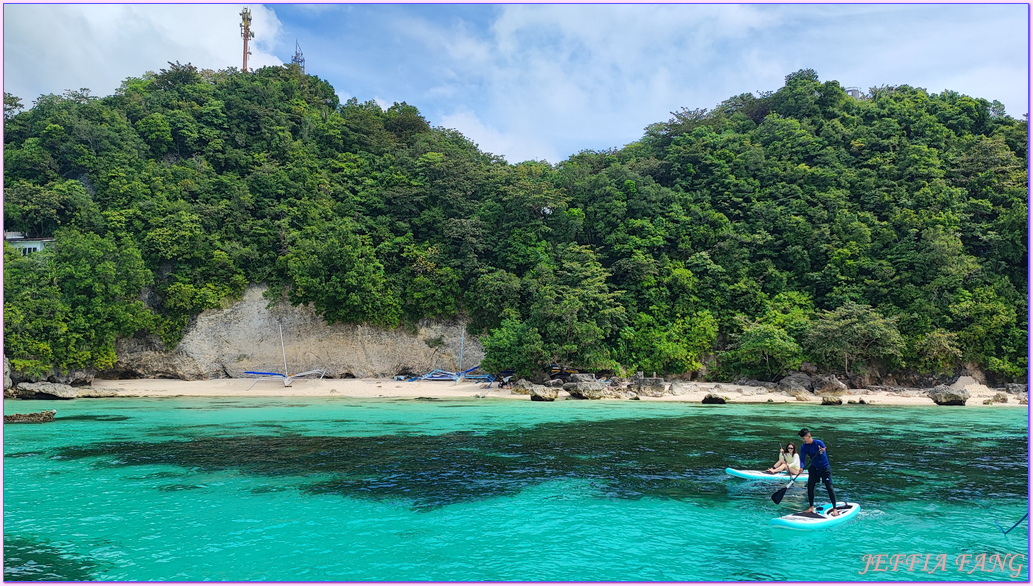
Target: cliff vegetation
[882, 233]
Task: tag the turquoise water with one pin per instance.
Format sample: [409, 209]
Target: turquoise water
[191, 489]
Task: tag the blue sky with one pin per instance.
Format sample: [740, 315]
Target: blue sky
[536, 82]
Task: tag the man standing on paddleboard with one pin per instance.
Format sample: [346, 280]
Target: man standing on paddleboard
[819, 468]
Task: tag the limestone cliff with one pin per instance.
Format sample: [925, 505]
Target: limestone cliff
[245, 336]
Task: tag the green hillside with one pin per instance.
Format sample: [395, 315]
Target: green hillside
[886, 233]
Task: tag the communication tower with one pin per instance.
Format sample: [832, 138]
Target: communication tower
[298, 57]
[245, 32]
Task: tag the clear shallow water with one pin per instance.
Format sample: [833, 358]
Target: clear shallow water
[346, 490]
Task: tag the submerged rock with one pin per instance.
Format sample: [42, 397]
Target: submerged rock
[944, 395]
[41, 417]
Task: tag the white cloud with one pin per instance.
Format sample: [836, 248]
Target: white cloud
[589, 75]
[52, 47]
[538, 81]
[516, 146]
[598, 74]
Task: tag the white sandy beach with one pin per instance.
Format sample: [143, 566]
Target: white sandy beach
[689, 392]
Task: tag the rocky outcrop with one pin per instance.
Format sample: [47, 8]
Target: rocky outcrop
[543, 393]
[650, 387]
[1016, 388]
[1000, 398]
[594, 390]
[524, 387]
[712, 399]
[226, 342]
[859, 381]
[944, 395]
[831, 400]
[797, 384]
[41, 417]
[45, 391]
[546, 392]
[826, 384]
[970, 384]
[75, 377]
[795, 381]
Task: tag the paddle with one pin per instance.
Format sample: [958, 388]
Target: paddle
[777, 497]
[1013, 526]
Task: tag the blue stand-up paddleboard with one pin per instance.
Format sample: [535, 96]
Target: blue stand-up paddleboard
[819, 519]
[762, 475]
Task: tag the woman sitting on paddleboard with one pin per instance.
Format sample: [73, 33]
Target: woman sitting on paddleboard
[788, 460]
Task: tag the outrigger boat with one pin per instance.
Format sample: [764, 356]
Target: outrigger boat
[286, 378]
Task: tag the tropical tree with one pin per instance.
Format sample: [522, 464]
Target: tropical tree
[765, 349]
[853, 333]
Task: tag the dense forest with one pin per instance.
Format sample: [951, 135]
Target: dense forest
[885, 233]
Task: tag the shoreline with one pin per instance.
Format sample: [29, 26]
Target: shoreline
[372, 388]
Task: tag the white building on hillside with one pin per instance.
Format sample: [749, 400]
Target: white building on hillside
[26, 245]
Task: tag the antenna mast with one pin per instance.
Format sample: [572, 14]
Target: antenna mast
[245, 32]
[298, 57]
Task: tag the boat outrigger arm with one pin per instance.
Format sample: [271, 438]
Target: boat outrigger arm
[286, 378]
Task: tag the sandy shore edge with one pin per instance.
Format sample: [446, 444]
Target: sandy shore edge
[688, 392]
